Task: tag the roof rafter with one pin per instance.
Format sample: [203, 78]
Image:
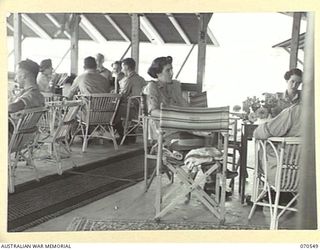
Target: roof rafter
[178, 28]
[35, 27]
[212, 37]
[10, 27]
[91, 30]
[150, 31]
[116, 26]
[57, 24]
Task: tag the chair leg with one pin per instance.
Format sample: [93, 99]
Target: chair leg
[31, 162]
[112, 132]
[58, 159]
[10, 176]
[85, 139]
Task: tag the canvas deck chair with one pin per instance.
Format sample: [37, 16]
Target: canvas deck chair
[287, 152]
[133, 122]
[62, 134]
[22, 140]
[99, 112]
[206, 120]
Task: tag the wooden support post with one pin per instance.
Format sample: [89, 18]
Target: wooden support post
[202, 43]
[295, 40]
[17, 37]
[308, 187]
[135, 24]
[75, 45]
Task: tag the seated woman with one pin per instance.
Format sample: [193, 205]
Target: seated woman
[163, 90]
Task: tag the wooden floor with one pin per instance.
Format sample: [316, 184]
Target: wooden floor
[135, 203]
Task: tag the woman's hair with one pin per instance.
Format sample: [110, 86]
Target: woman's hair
[158, 65]
[291, 72]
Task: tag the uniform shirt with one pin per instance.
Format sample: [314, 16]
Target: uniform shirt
[89, 82]
[106, 74]
[31, 97]
[132, 85]
[166, 93]
[43, 82]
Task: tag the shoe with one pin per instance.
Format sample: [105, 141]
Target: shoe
[230, 174]
[210, 187]
[284, 198]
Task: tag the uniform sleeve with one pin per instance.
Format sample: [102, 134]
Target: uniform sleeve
[74, 88]
[178, 95]
[43, 83]
[277, 127]
[152, 93]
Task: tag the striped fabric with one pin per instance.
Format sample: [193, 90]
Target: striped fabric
[194, 118]
[198, 99]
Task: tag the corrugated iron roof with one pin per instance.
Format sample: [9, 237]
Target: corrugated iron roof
[117, 26]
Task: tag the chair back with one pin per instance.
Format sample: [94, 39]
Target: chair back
[198, 99]
[195, 119]
[50, 97]
[101, 108]
[71, 109]
[25, 128]
[288, 154]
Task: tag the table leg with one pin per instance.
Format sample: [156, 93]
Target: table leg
[243, 167]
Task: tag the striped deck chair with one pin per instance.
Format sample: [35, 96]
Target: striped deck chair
[99, 112]
[61, 136]
[22, 140]
[287, 152]
[205, 120]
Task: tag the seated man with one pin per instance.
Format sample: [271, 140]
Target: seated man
[102, 70]
[90, 81]
[44, 78]
[30, 96]
[131, 85]
[117, 74]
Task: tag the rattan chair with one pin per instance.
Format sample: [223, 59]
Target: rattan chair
[133, 122]
[205, 120]
[286, 152]
[99, 113]
[62, 134]
[50, 119]
[22, 140]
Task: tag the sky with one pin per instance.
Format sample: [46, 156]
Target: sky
[244, 64]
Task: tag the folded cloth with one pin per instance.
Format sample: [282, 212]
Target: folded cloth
[199, 156]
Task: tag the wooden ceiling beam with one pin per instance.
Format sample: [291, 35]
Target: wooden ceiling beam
[147, 28]
[35, 27]
[179, 28]
[116, 26]
[57, 24]
[91, 30]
